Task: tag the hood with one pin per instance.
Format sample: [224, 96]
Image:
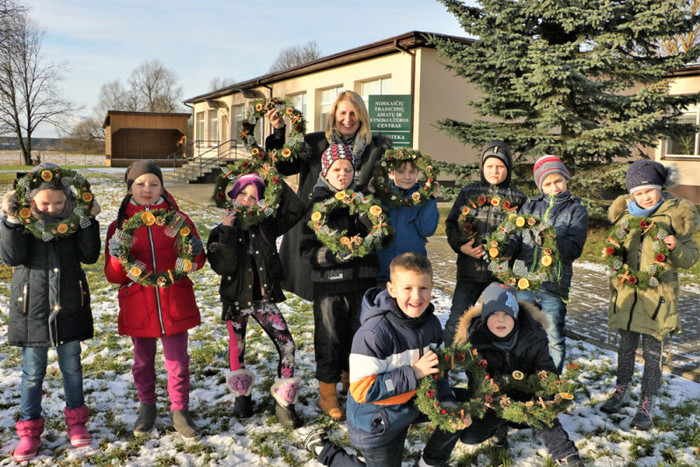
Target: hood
[684, 215]
[463, 326]
[507, 158]
[377, 302]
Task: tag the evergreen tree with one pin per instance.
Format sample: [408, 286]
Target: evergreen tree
[582, 79]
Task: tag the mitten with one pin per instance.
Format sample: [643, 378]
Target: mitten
[9, 206]
[95, 209]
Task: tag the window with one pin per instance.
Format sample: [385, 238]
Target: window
[686, 145]
[375, 87]
[238, 118]
[213, 135]
[327, 98]
[200, 126]
[299, 102]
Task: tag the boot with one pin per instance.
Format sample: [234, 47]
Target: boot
[183, 423]
[146, 419]
[345, 381]
[285, 392]
[328, 400]
[75, 425]
[240, 382]
[315, 441]
[619, 397]
[499, 438]
[642, 419]
[573, 459]
[243, 407]
[29, 432]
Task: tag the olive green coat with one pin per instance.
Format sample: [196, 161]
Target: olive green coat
[654, 311]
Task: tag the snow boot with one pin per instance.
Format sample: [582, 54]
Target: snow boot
[619, 397]
[146, 419]
[240, 382]
[642, 419]
[75, 426]
[315, 441]
[285, 392]
[29, 433]
[499, 438]
[243, 407]
[328, 400]
[573, 459]
[184, 425]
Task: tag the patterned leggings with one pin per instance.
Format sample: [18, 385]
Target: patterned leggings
[271, 320]
[651, 349]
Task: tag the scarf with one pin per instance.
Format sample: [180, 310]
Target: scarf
[356, 144]
[636, 211]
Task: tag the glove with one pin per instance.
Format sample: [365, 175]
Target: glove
[9, 206]
[114, 248]
[196, 246]
[95, 209]
[365, 221]
[343, 257]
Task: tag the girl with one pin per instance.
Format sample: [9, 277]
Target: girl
[49, 304]
[251, 271]
[150, 312]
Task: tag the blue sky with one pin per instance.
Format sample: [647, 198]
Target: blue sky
[103, 41]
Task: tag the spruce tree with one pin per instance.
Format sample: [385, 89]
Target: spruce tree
[581, 79]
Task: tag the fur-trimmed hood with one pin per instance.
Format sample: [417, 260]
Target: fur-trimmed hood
[684, 216]
[462, 332]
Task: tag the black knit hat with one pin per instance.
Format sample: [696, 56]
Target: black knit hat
[644, 174]
[499, 297]
[500, 151]
[138, 168]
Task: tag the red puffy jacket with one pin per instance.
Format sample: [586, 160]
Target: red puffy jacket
[150, 311]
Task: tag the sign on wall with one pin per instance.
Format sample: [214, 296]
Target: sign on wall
[391, 115]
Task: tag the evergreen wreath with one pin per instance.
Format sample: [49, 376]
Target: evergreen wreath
[481, 385]
[266, 207]
[293, 146]
[57, 178]
[176, 228]
[615, 252]
[546, 238]
[392, 160]
[358, 204]
[467, 216]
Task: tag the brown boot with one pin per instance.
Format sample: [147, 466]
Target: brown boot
[328, 400]
[345, 380]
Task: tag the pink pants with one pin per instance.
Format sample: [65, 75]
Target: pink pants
[177, 364]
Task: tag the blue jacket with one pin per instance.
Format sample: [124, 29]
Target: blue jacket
[382, 383]
[413, 225]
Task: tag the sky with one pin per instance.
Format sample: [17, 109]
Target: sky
[102, 41]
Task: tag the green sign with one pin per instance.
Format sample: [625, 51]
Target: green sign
[391, 115]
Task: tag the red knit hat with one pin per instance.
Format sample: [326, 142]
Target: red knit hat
[548, 165]
[332, 154]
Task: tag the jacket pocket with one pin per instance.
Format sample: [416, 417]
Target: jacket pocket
[181, 303]
[371, 419]
[662, 300]
[133, 306]
[613, 302]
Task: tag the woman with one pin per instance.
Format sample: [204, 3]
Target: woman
[350, 126]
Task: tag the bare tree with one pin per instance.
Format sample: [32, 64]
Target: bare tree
[295, 55]
[10, 12]
[217, 83]
[114, 96]
[88, 135]
[683, 42]
[156, 87]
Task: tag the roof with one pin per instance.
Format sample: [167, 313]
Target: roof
[152, 114]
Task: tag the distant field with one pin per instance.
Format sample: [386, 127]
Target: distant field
[12, 160]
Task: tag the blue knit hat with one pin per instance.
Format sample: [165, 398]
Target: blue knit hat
[644, 174]
[499, 297]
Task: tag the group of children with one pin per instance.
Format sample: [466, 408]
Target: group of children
[374, 325]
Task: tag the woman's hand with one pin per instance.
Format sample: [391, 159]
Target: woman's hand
[275, 119]
[469, 249]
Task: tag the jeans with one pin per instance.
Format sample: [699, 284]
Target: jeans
[465, 295]
[389, 455]
[34, 369]
[554, 309]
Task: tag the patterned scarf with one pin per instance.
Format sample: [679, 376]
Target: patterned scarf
[356, 144]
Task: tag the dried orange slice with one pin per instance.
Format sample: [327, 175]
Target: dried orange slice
[546, 260]
[523, 283]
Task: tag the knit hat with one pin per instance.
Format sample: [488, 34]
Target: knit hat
[644, 174]
[499, 297]
[332, 154]
[245, 180]
[548, 165]
[500, 151]
[138, 168]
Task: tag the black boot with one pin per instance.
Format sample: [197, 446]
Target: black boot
[642, 419]
[243, 407]
[288, 416]
[573, 459]
[146, 419]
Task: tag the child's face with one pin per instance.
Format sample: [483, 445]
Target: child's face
[500, 323]
[647, 198]
[50, 201]
[248, 196]
[146, 189]
[405, 176]
[554, 184]
[340, 174]
[494, 170]
[411, 290]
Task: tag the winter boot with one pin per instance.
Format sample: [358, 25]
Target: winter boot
[243, 407]
[328, 400]
[184, 425]
[642, 419]
[29, 433]
[75, 426]
[315, 441]
[240, 382]
[619, 397]
[573, 459]
[146, 419]
[285, 392]
[345, 381]
[499, 438]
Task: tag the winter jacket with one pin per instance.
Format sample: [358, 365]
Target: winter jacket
[150, 311]
[382, 382]
[570, 219]
[49, 297]
[486, 220]
[308, 166]
[654, 311]
[413, 224]
[233, 252]
[330, 274]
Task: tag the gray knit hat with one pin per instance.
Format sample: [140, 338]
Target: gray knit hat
[548, 165]
[644, 174]
[499, 297]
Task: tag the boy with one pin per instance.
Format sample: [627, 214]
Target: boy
[651, 312]
[509, 335]
[390, 354]
[570, 219]
[415, 223]
[472, 271]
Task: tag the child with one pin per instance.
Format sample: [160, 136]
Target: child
[509, 336]
[251, 271]
[49, 306]
[390, 354]
[473, 275]
[651, 312]
[414, 223]
[147, 312]
[339, 280]
[570, 219]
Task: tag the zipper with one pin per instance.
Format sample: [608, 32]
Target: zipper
[546, 215]
[82, 294]
[615, 293]
[658, 307]
[629, 322]
[25, 296]
[155, 287]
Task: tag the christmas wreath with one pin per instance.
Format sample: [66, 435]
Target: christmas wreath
[615, 252]
[358, 204]
[392, 160]
[265, 208]
[466, 221]
[293, 145]
[176, 228]
[57, 178]
[546, 239]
